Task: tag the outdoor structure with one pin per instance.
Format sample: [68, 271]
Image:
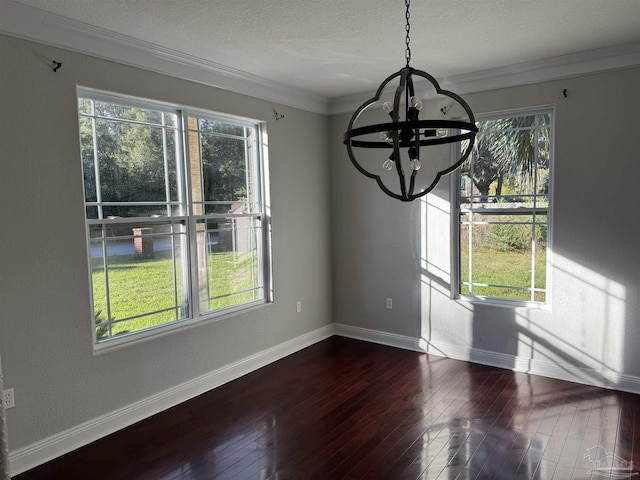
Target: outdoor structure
[143, 242]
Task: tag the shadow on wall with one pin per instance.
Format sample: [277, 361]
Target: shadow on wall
[585, 348]
[561, 342]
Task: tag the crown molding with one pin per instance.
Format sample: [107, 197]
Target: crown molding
[555, 68]
[31, 23]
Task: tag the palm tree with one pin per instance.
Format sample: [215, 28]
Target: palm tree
[513, 147]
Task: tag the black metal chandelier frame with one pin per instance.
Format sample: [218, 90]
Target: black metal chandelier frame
[407, 131]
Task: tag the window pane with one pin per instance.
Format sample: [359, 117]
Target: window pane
[466, 188]
[84, 106]
[123, 211]
[225, 180]
[131, 162]
[228, 207]
[137, 161]
[465, 251]
[540, 250]
[125, 112]
[137, 276]
[92, 212]
[504, 255]
[224, 168]
[509, 164]
[503, 124]
[135, 169]
[88, 159]
[231, 274]
[221, 127]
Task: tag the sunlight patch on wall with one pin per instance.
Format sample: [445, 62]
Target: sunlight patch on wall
[435, 239]
[589, 320]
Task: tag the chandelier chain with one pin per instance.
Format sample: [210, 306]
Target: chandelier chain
[407, 53]
[407, 134]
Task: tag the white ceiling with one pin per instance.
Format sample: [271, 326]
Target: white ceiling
[337, 48]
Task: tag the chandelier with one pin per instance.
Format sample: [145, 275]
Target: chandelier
[406, 135]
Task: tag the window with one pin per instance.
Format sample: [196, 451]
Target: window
[503, 203]
[175, 213]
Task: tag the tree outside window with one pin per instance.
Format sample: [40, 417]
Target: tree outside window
[175, 219]
[504, 203]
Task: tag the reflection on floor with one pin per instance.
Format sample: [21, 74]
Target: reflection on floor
[346, 410]
[499, 453]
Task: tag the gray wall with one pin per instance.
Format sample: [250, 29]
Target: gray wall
[45, 329]
[339, 245]
[591, 332]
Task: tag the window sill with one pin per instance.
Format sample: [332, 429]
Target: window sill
[124, 341]
[503, 303]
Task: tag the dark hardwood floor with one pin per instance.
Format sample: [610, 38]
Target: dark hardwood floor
[346, 409]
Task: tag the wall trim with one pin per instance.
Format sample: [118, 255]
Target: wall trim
[559, 371]
[31, 23]
[526, 73]
[56, 445]
[34, 24]
[376, 336]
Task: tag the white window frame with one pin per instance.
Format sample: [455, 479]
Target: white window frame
[456, 180]
[191, 303]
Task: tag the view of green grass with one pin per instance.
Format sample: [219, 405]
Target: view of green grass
[138, 286]
[232, 273]
[504, 268]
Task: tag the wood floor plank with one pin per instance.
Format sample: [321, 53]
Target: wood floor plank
[346, 409]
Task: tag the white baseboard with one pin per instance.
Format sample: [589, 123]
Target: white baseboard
[376, 336]
[52, 447]
[557, 370]
[560, 371]
[68, 440]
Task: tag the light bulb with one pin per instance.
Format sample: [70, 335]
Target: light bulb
[387, 136]
[387, 107]
[415, 103]
[441, 132]
[388, 164]
[415, 161]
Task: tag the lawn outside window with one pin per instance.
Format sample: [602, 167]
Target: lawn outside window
[175, 214]
[503, 201]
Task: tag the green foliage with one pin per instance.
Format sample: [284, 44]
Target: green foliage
[541, 235]
[509, 149]
[102, 331]
[509, 238]
[223, 168]
[132, 155]
[504, 268]
[509, 168]
[138, 286]
[136, 159]
[231, 273]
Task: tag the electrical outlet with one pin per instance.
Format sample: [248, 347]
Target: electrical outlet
[298, 306]
[7, 399]
[389, 303]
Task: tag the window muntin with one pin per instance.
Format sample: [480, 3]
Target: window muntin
[138, 275]
[504, 201]
[175, 229]
[233, 273]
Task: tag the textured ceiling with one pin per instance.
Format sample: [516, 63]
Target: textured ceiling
[335, 48]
